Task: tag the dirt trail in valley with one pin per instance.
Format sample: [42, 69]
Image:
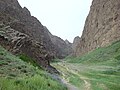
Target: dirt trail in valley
[87, 85]
[69, 86]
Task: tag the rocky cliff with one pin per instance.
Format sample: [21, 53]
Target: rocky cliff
[22, 44]
[22, 33]
[61, 48]
[102, 26]
[74, 44]
[25, 32]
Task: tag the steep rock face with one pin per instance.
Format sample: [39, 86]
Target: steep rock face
[13, 3]
[25, 32]
[20, 43]
[22, 33]
[68, 43]
[20, 19]
[61, 48]
[102, 26]
[75, 43]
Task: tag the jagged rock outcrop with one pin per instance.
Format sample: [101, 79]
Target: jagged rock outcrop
[20, 43]
[102, 26]
[68, 43]
[20, 19]
[28, 33]
[75, 43]
[61, 48]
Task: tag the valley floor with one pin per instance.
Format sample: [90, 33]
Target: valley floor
[96, 70]
[87, 77]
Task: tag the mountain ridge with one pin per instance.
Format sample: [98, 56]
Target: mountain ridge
[26, 33]
[101, 26]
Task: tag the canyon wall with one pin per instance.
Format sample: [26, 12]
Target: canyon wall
[102, 26]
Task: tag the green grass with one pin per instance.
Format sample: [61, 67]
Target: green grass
[75, 80]
[68, 75]
[99, 68]
[34, 83]
[110, 54]
[28, 60]
[15, 74]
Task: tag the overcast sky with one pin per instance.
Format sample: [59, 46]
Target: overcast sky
[64, 18]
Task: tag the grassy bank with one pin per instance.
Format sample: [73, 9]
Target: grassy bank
[97, 70]
[15, 74]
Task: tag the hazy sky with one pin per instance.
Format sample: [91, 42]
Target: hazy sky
[64, 18]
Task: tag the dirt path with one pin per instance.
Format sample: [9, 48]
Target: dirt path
[69, 86]
[85, 77]
[87, 85]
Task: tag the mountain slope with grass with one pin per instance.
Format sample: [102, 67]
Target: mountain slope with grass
[97, 70]
[110, 54]
[15, 74]
[101, 26]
